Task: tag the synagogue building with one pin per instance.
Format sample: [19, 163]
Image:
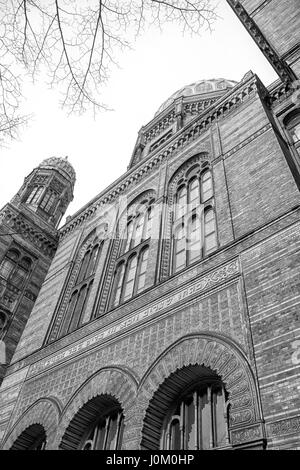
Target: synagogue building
[165, 313]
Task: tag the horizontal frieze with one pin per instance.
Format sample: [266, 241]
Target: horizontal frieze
[198, 286]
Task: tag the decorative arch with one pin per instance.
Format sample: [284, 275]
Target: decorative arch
[114, 382]
[202, 160]
[96, 236]
[45, 412]
[129, 215]
[33, 438]
[190, 220]
[132, 205]
[217, 354]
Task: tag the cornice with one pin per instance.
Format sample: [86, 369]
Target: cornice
[191, 105]
[45, 242]
[280, 92]
[279, 65]
[153, 129]
[185, 136]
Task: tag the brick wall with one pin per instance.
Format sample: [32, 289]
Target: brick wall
[272, 286]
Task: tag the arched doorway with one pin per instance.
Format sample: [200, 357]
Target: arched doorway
[33, 438]
[189, 411]
[98, 425]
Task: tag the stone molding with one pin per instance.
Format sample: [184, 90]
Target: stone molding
[279, 65]
[45, 243]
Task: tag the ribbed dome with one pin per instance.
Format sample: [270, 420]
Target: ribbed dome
[199, 88]
[60, 164]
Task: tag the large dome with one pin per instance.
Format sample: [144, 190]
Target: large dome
[199, 88]
[60, 164]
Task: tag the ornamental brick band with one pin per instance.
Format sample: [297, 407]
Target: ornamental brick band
[200, 285]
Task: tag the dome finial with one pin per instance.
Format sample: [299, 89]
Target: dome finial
[60, 164]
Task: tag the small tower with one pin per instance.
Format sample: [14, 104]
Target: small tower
[48, 190]
[28, 241]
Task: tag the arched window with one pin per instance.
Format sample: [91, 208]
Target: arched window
[188, 411]
[138, 232]
[138, 227]
[128, 235]
[33, 438]
[179, 248]
[97, 425]
[15, 268]
[80, 294]
[131, 267]
[48, 201]
[20, 273]
[198, 420]
[292, 123]
[93, 261]
[34, 195]
[141, 276]
[181, 202]
[194, 238]
[194, 228]
[130, 277]
[209, 231]
[148, 224]
[9, 263]
[107, 433]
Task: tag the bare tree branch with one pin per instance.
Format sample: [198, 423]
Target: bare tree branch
[77, 44]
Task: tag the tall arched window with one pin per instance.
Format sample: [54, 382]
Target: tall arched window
[198, 420]
[188, 411]
[9, 263]
[97, 425]
[33, 438]
[107, 433]
[194, 227]
[48, 201]
[141, 275]
[131, 267]
[80, 294]
[34, 195]
[15, 268]
[138, 227]
[130, 277]
[119, 276]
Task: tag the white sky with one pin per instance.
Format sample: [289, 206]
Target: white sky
[100, 149]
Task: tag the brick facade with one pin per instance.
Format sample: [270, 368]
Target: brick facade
[234, 313]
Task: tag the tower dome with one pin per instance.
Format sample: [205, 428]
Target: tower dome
[201, 87]
[62, 165]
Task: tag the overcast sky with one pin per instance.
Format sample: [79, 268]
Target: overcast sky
[100, 149]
